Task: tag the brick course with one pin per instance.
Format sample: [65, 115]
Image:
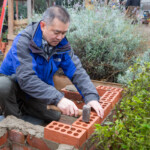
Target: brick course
[16, 137]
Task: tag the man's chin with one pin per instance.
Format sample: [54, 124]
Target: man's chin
[54, 43]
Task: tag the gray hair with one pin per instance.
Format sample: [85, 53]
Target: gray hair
[56, 12]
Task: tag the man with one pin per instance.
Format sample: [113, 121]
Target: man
[133, 3]
[132, 10]
[26, 82]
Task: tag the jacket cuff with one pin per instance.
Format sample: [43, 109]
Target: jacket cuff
[91, 97]
[55, 101]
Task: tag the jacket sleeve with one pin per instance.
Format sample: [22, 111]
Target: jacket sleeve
[26, 75]
[72, 68]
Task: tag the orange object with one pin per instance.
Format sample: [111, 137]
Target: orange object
[107, 109]
[36, 143]
[3, 46]
[110, 96]
[89, 127]
[3, 139]
[102, 89]
[65, 134]
[71, 95]
[16, 136]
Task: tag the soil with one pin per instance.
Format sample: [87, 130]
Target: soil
[145, 30]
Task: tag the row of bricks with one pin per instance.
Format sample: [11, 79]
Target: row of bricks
[109, 96]
[15, 140]
[61, 133]
[107, 93]
[24, 143]
[100, 89]
[81, 131]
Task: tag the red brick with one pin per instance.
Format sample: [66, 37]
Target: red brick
[16, 136]
[64, 134]
[3, 139]
[112, 97]
[107, 108]
[103, 89]
[5, 148]
[20, 147]
[79, 104]
[89, 127]
[71, 95]
[37, 143]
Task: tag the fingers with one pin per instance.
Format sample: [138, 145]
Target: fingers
[97, 107]
[68, 107]
[72, 110]
[100, 111]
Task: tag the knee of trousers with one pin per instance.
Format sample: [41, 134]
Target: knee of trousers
[6, 87]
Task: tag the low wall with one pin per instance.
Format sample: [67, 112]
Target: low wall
[16, 134]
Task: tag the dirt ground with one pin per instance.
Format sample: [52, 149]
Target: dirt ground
[145, 30]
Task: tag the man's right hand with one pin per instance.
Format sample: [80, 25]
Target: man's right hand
[68, 107]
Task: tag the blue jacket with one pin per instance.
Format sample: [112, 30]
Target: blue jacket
[34, 71]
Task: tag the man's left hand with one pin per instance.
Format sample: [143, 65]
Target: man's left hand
[97, 107]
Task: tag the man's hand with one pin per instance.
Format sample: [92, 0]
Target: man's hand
[68, 107]
[97, 107]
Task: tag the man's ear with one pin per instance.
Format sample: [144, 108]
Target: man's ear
[42, 25]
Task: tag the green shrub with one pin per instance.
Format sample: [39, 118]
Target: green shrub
[131, 130]
[104, 41]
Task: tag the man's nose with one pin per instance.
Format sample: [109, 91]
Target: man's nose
[60, 36]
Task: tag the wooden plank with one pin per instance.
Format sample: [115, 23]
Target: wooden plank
[10, 16]
[11, 36]
[29, 9]
[17, 13]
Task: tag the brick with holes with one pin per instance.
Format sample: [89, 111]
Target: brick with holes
[65, 134]
[111, 97]
[90, 126]
[103, 89]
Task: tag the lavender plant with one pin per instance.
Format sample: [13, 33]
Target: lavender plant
[105, 42]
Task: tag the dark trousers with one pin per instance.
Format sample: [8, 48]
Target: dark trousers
[14, 101]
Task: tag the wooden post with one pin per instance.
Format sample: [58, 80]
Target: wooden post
[17, 10]
[33, 4]
[29, 7]
[106, 2]
[10, 17]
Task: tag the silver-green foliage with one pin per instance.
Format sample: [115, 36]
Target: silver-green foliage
[129, 75]
[104, 41]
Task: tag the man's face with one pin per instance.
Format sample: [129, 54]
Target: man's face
[54, 32]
